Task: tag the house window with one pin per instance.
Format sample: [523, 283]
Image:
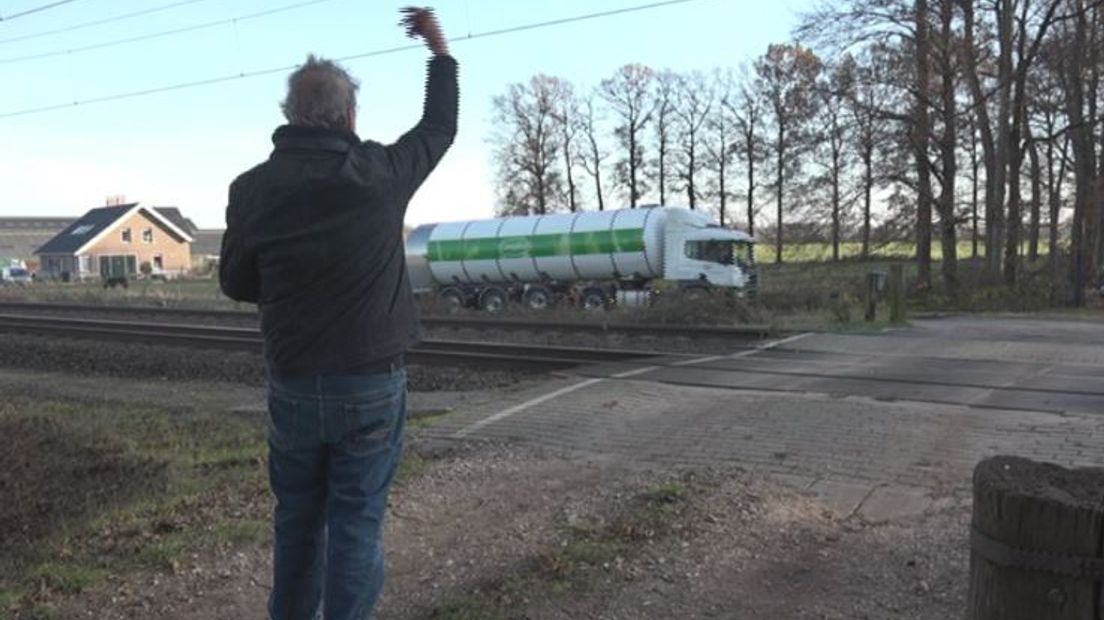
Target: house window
[147, 235]
[82, 229]
[126, 235]
[159, 262]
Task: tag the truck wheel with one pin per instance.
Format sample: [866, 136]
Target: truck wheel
[696, 293]
[453, 299]
[593, 299]
[538, 298]
[492, 300]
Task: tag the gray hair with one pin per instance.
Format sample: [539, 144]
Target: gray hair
[320, 94]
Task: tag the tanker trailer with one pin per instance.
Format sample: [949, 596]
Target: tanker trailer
[592, 259]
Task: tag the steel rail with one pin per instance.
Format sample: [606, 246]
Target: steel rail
[430, 352]
[746, 332]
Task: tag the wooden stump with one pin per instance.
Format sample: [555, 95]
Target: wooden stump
[1036, 543]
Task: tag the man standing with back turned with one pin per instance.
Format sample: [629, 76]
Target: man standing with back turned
[314, 237]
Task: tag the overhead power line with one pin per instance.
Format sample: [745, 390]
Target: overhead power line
[37, 9]
[163, 33]
[380, 52]
[99, 22]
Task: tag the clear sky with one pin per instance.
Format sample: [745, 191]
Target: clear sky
[183, 147]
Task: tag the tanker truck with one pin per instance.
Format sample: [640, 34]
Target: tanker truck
[591, 259]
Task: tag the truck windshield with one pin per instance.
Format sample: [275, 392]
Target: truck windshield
[721, 251]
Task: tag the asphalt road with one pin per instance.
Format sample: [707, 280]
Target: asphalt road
[1017, 364]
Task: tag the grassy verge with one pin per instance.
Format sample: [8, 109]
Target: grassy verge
[104, 489]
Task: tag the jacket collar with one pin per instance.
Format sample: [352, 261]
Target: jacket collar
[288, 137]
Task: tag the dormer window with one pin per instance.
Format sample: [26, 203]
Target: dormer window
[147, 235]
[126, 235]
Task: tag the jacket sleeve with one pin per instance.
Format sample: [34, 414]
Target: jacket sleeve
[238, 274]
[417, 152]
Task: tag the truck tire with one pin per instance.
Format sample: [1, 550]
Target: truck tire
[696, 293]
[593, 299]
[493, 300]
[538, 298]
[453, 299]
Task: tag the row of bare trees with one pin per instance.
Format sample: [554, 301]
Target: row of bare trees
[933, 119]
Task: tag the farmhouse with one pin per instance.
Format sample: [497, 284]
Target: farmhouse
[119, 241]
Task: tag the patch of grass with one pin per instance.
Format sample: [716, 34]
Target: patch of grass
[411, 467]
[165, 553]
[66, 578]
[244, 531]
[9, 599]
[466, 606]
[208, 490]
[42, 611]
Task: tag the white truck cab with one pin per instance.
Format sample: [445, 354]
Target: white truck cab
[698, 251]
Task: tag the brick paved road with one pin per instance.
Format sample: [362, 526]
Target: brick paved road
[878, 425]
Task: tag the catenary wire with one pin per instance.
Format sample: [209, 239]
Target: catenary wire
[37, 9]
[99, 22]
[163, 33]
[380, 52]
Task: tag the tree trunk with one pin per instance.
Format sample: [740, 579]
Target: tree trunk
[868, 191]
[1083, 155]
[993, 198]
[663, 166]
[751, 186]
[1033, 514]
[996, 233]
[835, 204]
[779, 178]
[1036, 203]
[571, 202]
[721, 170]
[632, 164]
[947, 217]
[975, 167]
[921, 131]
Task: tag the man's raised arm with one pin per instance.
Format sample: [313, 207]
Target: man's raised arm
[418, 151]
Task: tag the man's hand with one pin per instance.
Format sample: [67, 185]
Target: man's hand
[421, 22]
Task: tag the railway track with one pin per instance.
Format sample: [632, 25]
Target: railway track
[750, 332]
[249, 339]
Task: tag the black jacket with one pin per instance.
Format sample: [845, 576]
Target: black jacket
[314, 237]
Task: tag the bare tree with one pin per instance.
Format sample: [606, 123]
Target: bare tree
[666, 85]
[869, 108]
[748, 110]
[719, 146]
[591, 152]
[527, 144]
[628, 94]
[567, 115]
[787, 75]
[948, 144]
[693, 103]
[830, 146]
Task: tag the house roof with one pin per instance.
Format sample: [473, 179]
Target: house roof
[174, 215]
[93, 225]
[35, 223]
[208, 242]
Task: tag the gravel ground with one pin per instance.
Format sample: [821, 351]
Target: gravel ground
[97, 358]
[497, 533]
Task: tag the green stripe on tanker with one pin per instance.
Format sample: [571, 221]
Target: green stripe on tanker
[538, 246]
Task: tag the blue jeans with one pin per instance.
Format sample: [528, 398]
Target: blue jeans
[334, 444]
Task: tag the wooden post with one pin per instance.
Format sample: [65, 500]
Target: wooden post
[871, 296]
[897, 293]
[1036, 542]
